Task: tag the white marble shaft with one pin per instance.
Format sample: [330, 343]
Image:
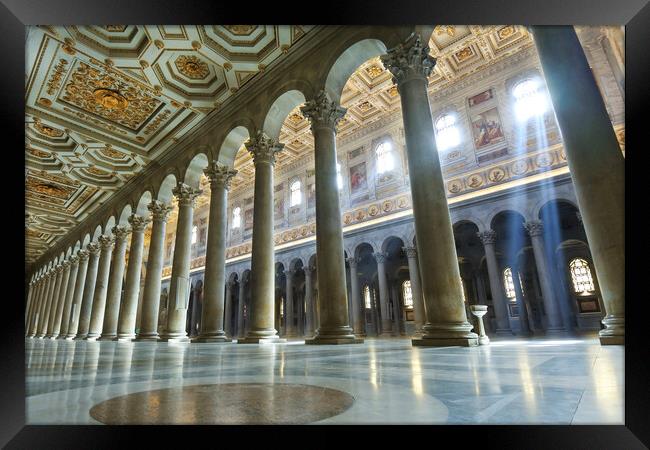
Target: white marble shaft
[101, 283]
[115, 280]
[77, 296]
[87, 296]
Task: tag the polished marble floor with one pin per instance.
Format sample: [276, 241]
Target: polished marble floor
[510, 381]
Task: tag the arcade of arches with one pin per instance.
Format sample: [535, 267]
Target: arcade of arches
[323, 185]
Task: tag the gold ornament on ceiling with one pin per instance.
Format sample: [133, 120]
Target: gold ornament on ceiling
[506, 31]
[115, 28]
[240, 30]
[374, 71]
[192, 67]
[110, 99]
[464, 54]
[47, 130]
[55, 82]
[365, 106]
[392, 91]
[97, 172]
[109, 95]
[108, 151]
[295, 118]
[449, 30]
[39, 153]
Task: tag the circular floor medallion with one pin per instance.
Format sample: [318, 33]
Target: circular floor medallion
[225, 404]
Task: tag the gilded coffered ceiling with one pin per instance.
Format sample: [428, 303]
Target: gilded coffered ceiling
[370, 95]
[102, 102]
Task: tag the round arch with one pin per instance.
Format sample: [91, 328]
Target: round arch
[279, 110]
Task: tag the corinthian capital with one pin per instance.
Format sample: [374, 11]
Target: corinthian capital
[353, 261]
[185, 194]
[411, 252]
[409, 60]
[219, 175]
[74, 259]
[105, 242]
[263, 149]
[93, 248]
[159, 211]
[534, 227]
[120, 232]
[138, 223]
[487, 237]
[380, 257]
[83, 255]
[322, 112]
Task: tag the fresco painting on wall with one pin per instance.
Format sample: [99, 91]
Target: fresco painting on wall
[311, 196]
[486, 128]
[358, 181]
[248, 219]
[480, 98]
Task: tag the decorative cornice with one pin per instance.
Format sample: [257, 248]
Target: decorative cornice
[263, 149]
[487, 237]
[220, 175]
[322, 112]
[409, 60]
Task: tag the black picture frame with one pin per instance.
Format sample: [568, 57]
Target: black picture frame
[15, 14]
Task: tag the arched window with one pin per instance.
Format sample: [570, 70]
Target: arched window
[530, 99]
[447, 134]
[195, 231]
[236, 217]
[407, 294]
[583, 283]
[366, 297]
[339, 178]
[508, 283]
[296, 193]
[385, 157]
[281, 309]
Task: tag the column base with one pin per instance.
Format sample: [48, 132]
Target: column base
[79, 337]
[212, 339]
[174, 339]
[107, 337]
[69, 337]
[445, 342]
[92, 337]
[333, 340]
[125, 338]
[146, 337]
[483, 340]
[612, 340]
[262, 340]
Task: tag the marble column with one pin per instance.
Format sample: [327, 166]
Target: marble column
[446, 321]
[179, 287]
[40, 284]
[56, 304]
[386, 324]
[334, 328]
[48, 292]
[212, 314]
[240, 310]
[101, 282]
[488, 238]
[227, 323]
[115, 280]
[554, 320]
[67, 306]
[151, 296]
[289, 311]
[86, 305]
[416, 289]
[525, 318]
[309, 302]
[28, 304]
[355, 294]
[80, 283]
[262, 282]
[129, 308]
[596, 164]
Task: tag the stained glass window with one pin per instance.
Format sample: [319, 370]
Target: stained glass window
[385, 157]
[366, 297]
[530, 99]
[447, 134]
[508, 283]
[408, 294]
[236, 217]
[296, 193]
